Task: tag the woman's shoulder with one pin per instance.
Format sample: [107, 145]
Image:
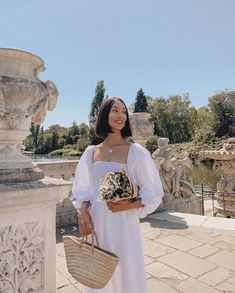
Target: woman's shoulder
[88, 149]
[88, 152]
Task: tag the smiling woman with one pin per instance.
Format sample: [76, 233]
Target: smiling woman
[117, 222]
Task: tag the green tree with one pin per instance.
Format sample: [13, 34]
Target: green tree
[179, 115]
[141, 104]
[157, 108]
[204, 132]
[95, 105]
[151, 144]
[54, 140]
[223, 114]
[73, 133]
[96, 102]
[173, 117]
[35, 132]
[74, 129]
[83, 130]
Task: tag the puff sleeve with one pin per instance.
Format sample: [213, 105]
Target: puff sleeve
[82, 183]
[146, 176]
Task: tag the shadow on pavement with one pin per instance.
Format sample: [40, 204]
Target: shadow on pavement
[163, 222]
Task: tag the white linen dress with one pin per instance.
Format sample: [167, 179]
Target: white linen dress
[120, 232]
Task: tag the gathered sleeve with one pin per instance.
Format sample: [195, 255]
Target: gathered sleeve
[82, 183]
[146, 176]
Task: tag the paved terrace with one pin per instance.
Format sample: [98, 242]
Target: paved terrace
[183, 253]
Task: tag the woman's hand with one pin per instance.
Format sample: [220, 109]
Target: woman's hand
[124, 205]
[84, 220]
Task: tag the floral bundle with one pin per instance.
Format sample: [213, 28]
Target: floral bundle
[117, 186]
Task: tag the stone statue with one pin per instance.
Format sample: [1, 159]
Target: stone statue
[175, 182]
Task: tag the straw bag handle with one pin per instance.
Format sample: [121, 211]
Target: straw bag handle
[93, 237]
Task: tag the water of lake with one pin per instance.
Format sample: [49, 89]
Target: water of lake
[45, 158]
[202, 174]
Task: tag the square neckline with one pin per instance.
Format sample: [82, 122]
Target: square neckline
[103, 161]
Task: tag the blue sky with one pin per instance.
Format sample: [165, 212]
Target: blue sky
[164, 46]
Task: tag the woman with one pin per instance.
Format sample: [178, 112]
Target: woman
[117, 223]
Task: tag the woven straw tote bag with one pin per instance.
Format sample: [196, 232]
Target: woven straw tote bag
[88, 263]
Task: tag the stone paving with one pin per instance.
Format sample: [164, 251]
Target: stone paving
[183, 253]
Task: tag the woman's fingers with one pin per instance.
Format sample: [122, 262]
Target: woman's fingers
[91, 222]
[85, 225]
[85, 229]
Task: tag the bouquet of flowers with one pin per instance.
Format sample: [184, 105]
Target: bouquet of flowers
[117, 186]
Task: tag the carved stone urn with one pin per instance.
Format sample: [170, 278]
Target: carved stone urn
[142, 127]
[24, 98]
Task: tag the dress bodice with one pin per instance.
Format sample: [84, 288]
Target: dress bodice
[101, 168]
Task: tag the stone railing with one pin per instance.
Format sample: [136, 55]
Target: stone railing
[65, 211]
[60, 169]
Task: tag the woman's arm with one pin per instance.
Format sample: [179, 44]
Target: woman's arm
[124, 205]
[84, 219]
[147, 178]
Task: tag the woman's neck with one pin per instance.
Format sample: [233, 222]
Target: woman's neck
[114, 139]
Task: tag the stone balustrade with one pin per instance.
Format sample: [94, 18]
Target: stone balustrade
[65, 212]
[59, 169]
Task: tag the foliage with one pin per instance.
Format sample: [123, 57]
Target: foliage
[82, 144]
[96, 102]
[173, 117]
[68, 141]
[222, 113]
[141, 104]
[151, 144]
[65, 152]
[194, 148]
[203, 133]
[95, 105]
[57, 153]
[35, 130]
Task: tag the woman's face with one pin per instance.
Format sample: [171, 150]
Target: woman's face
[117, 116]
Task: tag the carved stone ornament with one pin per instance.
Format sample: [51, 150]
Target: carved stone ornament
[22, 258]
[24, 98]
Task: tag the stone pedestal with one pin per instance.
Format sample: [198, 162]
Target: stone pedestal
[191, 205]
[27, 235]
[142, 127]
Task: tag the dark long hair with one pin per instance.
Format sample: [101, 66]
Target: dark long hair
[102, 128]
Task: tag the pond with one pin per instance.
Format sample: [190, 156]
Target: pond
[45, 158]
[206, 176]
